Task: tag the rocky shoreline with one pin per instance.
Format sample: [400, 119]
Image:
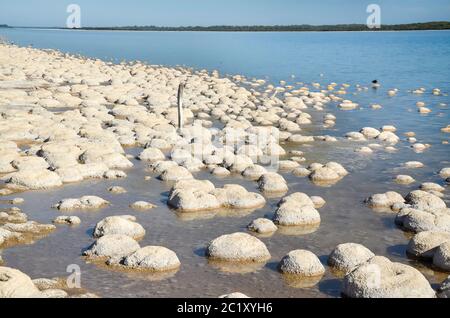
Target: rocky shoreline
[65, 119]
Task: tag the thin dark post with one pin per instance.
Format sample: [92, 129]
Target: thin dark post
[180, 105]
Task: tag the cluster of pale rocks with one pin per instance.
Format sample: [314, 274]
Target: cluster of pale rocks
[15, 228]
[15, 284]
[383, 138]
[425, 213]
[117, 245]
[76, 116]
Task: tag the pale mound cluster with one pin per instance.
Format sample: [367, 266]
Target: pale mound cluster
[116, 245]
[198, 195]
[297, 209]
[15, 228]
[322, 174]
[16, 284]
[369, 276]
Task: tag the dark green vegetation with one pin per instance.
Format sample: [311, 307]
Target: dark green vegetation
[285, 28]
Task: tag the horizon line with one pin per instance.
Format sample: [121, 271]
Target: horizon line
[231, 26]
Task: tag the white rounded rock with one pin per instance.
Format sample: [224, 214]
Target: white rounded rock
[441, 258]
[237, 247]
[153, 258]
[15, 284]
[113, 246]
[424, 244]
[404, 179]
[346, 257]
[394, 280]
[123, 225]
[272, 182]
[262, 226]
[301, 262]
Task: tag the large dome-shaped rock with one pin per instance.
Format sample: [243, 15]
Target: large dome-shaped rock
[296, 209]
[153, 258]
[237, 247]
[272, 182]
[15, 284]
[346, 257]
[124, 225]
[424, 244]
[237, 197]
[381, 278]
[151, 155]
[425, 201]
[40, 179]
[115, 246]
[302, 263]
[441, 258]
[419, 221]
[176, 173]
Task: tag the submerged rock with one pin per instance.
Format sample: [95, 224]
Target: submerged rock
[142, 205]
[70, 220]
[117, 190]
[234, 295]
[84, 203]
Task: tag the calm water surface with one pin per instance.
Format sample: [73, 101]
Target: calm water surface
[404, 60]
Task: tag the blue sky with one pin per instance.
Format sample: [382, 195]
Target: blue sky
[214, 12]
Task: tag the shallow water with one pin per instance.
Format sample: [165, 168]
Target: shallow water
[406, 60]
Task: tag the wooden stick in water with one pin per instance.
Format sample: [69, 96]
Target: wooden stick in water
[180, 105]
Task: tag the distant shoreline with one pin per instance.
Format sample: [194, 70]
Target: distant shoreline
[439, 25]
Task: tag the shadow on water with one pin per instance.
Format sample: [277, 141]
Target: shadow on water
[331, 287]
[398, 250]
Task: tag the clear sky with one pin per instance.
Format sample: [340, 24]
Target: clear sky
[218, 12]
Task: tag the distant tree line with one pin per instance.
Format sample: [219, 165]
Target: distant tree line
[443, 25]
[4, 26]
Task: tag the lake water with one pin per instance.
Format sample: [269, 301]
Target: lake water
[403, 60]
